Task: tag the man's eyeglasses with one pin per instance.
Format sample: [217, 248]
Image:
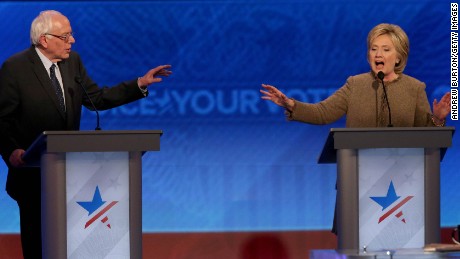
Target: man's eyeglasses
[65, 37]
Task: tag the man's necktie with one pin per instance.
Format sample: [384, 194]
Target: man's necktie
[57, 88]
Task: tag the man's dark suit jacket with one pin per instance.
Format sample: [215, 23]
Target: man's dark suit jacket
[29, 106]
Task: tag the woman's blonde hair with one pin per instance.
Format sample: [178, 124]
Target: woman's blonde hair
[399, 39]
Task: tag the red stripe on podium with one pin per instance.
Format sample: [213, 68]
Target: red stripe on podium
[100, 214]
[395, 208]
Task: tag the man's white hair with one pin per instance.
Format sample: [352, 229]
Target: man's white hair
[42, 24]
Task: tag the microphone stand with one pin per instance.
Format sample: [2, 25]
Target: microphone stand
[381, 75]
[78, 80]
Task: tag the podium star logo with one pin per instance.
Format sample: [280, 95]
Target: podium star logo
[388, 200]
[94, 205]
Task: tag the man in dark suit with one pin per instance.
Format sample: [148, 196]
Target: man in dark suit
[40, 91]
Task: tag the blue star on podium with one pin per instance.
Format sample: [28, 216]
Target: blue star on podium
[388, 200]
[94, 205]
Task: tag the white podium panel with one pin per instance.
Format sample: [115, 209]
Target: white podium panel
[91, 191]
[388, 185]
[97, 205]
[391, 198]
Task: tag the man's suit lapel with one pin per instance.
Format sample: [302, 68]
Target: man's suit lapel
[43, 77]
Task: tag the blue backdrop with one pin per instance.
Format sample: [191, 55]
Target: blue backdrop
[229, 161]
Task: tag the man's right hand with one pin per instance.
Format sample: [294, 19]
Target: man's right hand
[16, 158]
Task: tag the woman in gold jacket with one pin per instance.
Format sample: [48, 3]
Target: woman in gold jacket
[362, 98]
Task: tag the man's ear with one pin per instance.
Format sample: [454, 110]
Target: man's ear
[43, 41]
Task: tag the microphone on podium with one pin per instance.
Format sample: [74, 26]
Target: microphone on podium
[381, 75]
[79, 81]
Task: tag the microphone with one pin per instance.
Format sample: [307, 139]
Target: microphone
[381, 75]
[79, 81]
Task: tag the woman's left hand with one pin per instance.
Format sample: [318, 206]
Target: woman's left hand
[442, 108]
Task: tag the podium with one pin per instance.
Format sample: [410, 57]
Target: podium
[388, 185]
[91, 184]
